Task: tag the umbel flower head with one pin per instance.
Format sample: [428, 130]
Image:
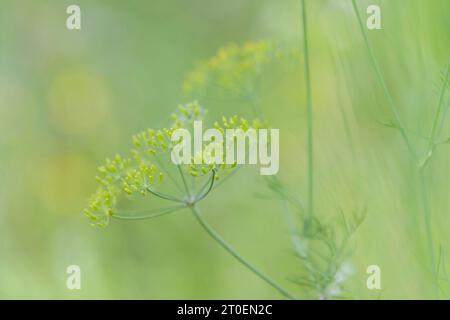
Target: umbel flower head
[234, 71]
[149, 172]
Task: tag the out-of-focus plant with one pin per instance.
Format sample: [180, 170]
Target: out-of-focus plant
[323, 247]
[231, 71]
[418, 157]
[147, 173]
[235, 73]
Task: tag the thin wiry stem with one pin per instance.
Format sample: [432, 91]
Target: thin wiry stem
[193, 185]
[180, 170]
[205, 225]
[438, 268]
[204, 186]
[202, 194]
[171, 177]
[437, 125]
[164, 196]
[146, 214]
[380, 78]
[421, 165]
[279, 189]
[293, 235]
[160, 194]
[309, 113]
[427, 219]
[434, 134]
[228, 176]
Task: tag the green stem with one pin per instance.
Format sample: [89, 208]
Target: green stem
[207, 187]
[436, 123]
[309, 113]
[171, 177]
[421, 165]
[295, 239]
[180, 171]
[429, 234]
[380, 78]
[205, 225]
[147, 214]
[164, 196]
[228, 176]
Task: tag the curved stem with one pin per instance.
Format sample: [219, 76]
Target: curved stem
[202, 193]
[420, 165]
[147, 214]
[228, 176]
[440, 112]
[161, 195]
[205, 225]
[164, 196]
[380, 78]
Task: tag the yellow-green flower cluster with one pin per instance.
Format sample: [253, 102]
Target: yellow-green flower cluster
[102, 204]
[112, 171]
[186, 114]
[232, 70]
[153, 141]
[140, 179]
[235, 123]
[139, 175]
[119, 177]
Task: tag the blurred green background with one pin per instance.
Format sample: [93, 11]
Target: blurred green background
[68, 99]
